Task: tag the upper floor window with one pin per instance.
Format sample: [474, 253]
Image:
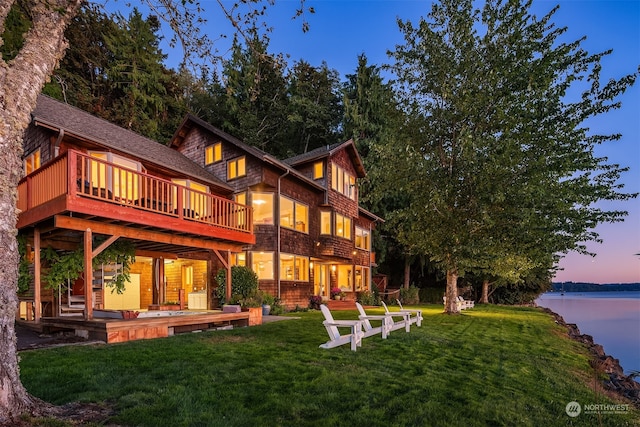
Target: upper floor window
[262, 204]
[236, 168]
[362, 238]
[213, 153]
[294, 215]
[318, 170]
[32, 162]
[343, 182]
[343, 226]
[325, 222]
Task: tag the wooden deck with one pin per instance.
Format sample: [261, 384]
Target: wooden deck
[122, 330]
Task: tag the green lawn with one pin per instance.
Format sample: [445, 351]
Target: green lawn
[490, 366]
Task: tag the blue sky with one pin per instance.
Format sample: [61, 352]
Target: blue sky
[340, 30]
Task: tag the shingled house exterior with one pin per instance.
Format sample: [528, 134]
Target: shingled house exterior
[87, 178]
[311, 233]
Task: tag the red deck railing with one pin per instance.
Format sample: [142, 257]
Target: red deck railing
[80, 175]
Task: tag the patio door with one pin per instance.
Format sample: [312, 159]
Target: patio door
[321, 279]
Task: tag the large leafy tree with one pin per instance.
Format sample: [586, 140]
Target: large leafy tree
[23, 73]
[496, 159]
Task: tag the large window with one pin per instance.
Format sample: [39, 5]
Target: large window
[343, 182]
[32, 162]
[362, 278]
[262, 265]
[325, 222]
[119, 180]
[294, 215]
[362, 239]
[236, 168]
[343, 226]
[262, 204]
[213, 153]
[194, 198]
[345, 277]
[294, 267]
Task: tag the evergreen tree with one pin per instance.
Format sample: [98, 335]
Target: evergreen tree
[497, 161]
[257, 96]
[315, 108]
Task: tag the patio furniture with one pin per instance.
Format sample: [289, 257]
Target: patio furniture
[404, 323]
[386, 322]
[354, 337]
[418, 313]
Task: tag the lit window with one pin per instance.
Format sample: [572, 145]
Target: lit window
[344, 277]
[236, 168]
[241, 198]
[194, 198]
[362, 238]
[325, 222]
[343, 226]
[262, 265]
[262, 204]
[119, 178]
[294, 214]
[213, 153]
[343, 182]
[32, 162]
[239, 258]
[362, 278]
[294, 267]
[318, 170]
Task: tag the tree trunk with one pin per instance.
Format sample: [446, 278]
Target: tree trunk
[451, 293]
[484, 299]
[21, 80]
[407, 272]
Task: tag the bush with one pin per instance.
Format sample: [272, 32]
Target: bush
[367, 298]
[244, 286]
[410, 296]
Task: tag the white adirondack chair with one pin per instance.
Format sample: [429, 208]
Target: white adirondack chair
[335, 338]
[417, 319]
[386, 322]
[404, 323]
[466, 303]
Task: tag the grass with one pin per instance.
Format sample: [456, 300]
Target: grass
[497, 366]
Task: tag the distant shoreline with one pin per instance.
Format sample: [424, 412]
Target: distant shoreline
[594, 287]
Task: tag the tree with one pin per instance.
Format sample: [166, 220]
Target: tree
[497, 161]
[22, 77]
[314, 107]
[257, 95]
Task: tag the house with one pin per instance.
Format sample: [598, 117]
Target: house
[311, 234]
[90, 183]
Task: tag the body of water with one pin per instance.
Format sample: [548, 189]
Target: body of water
[611, 318]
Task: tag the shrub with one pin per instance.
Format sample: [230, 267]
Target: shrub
[367, 298]
[244, 286]
[410, 296]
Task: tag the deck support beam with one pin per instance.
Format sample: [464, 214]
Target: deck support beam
[88, 274]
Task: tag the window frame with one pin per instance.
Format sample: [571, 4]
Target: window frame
[213, 153]
[294, 208]
[32, 162]
[365, 234]
[257, 210]
[253, 264]
[346, 226]
[234, 164]
[318, 170]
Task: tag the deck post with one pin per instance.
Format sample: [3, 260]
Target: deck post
[37, 309]
[229, 281]
[88, 275]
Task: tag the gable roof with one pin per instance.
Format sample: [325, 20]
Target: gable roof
[72, 121]
[190, 121]
[328, 151]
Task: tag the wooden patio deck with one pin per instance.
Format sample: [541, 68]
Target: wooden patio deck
[122, 330]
